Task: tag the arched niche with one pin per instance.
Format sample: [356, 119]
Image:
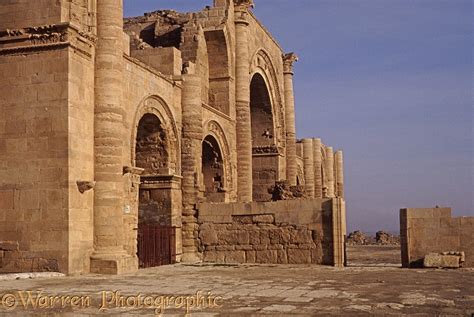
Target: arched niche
[213, 170]
[214, 136]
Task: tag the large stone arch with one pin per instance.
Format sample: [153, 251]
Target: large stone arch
[154, 105]
[266, 131]
[262, 63]
[214, 129]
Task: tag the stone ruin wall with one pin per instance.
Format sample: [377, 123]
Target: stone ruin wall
[434, 230]
[284, 232]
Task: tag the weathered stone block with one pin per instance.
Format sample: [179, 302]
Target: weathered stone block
[225, 247]
[282, 257]
[298, 256]
[264, 219]
[6, 199]
[279, 236]
[250, 256]
[266, 256]
[9, 245]
[264, 237]
[235, 257]
[208, 237]
[242, 219]
[244, 247]
[233, 237]
[254, 237]
[214, 256]
[301, 236]
[317, 256]
[436, 260]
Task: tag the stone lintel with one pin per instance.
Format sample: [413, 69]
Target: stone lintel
[161, 181]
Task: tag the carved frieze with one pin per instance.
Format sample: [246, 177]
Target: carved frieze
[45, 37]
[270, 149]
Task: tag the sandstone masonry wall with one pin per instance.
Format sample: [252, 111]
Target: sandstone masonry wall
[293, 231]
[34, 167]
[425, 230]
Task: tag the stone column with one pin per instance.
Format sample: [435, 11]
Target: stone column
[330, 171]
[242, 105]
[318, 177]
[308, 167]
[291, 165]
[109, 255]
[339, 174]
[191, 152]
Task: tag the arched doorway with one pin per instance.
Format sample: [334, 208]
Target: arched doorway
[156, 235]
[265, 153]
[213, 170]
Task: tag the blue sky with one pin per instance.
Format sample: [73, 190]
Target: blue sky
[388, 81]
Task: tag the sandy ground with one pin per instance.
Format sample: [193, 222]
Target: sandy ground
[252, 290]
[373, 255]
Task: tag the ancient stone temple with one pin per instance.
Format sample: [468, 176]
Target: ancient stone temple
[178, 124]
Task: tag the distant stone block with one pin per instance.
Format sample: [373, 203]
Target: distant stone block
[436, 260]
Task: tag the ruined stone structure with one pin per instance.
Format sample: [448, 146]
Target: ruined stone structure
[433, 235]
[109, 123]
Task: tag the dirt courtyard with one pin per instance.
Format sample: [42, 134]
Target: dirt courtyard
[243, 290]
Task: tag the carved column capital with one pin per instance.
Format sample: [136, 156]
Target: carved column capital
[288, 61]
[242, 11]
[247, 4]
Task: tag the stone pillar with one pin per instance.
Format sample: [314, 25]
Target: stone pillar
[339, 174]
[291, 165]
[242, 102]
[308, 167]
[318, 177]
[191, 152]
[109, 255]
[330, 172]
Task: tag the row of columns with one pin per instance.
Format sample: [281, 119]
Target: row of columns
[324, 176]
